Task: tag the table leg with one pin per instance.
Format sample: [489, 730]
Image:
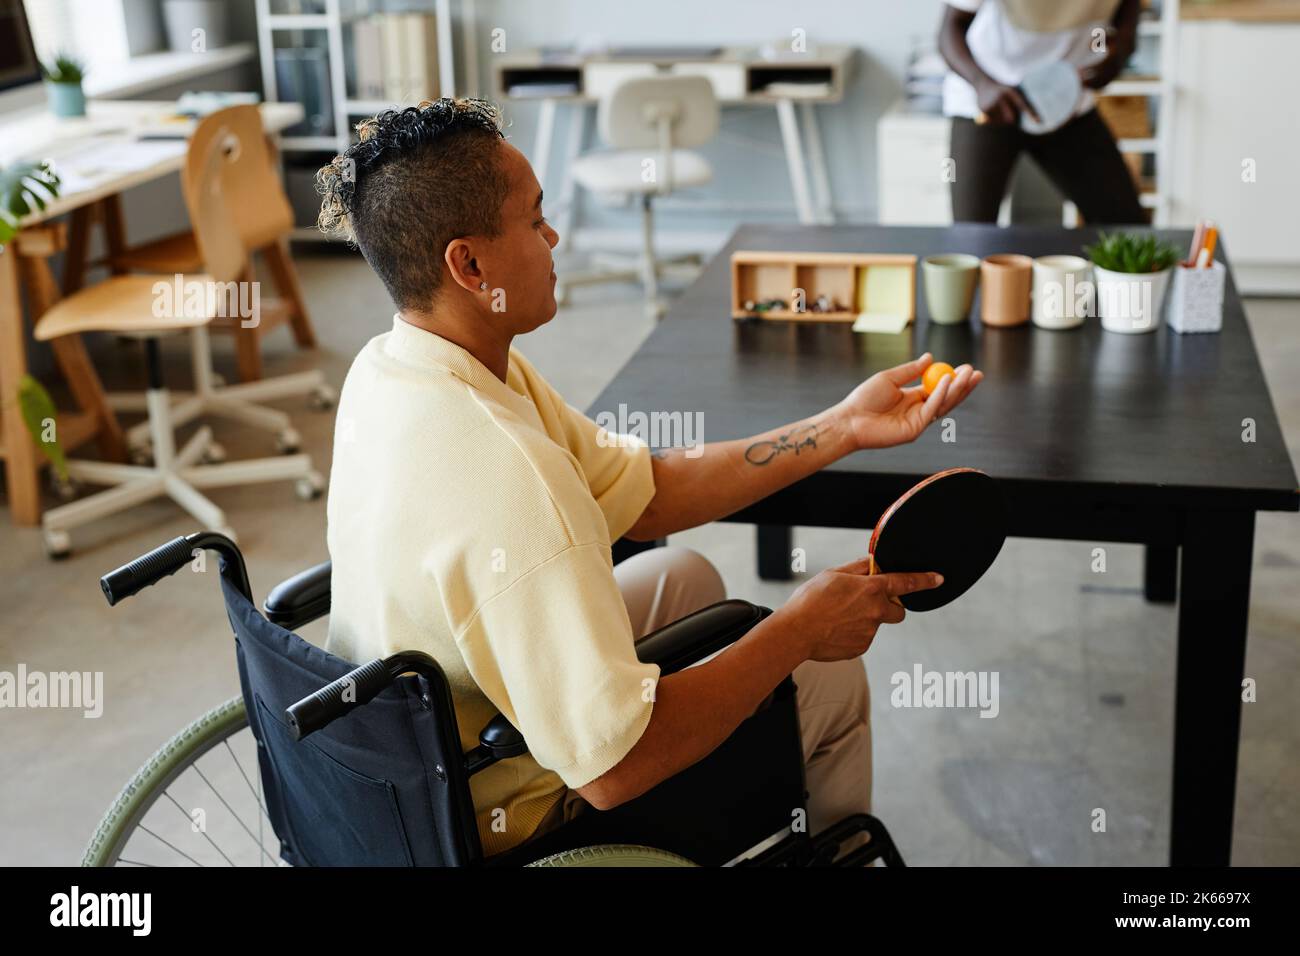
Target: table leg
[76, 254]
[114, 231]
[542, 141]
[774, 545]
[1214, 590]
[794, 160]
[821, 181]
[1160, 573]
[568, 188]
[22, 464]
[624, 548]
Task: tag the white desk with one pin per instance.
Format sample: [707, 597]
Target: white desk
[97, 150]
[740, 77]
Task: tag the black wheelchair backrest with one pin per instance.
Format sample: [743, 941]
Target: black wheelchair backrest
[381, 786]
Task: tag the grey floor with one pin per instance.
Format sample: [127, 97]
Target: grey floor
[1085, 664]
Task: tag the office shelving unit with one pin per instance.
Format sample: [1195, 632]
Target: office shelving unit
[1164, 28]
[322, 23]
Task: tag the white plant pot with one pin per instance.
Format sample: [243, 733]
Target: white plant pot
[1130, 302]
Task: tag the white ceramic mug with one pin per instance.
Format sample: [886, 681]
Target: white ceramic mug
[1063, 291]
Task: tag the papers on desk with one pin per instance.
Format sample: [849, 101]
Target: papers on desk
[86, 167]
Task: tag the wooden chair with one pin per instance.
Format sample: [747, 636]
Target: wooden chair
[264, 219]
[258, 209]
[132, 306]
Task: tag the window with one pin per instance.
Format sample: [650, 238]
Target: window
[93, 31]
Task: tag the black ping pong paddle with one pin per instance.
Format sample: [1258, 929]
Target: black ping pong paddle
[953, 522]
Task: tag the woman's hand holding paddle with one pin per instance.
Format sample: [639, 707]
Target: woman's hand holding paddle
[838, 612]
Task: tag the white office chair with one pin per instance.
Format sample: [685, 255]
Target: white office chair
[261, 213]
[650, 123]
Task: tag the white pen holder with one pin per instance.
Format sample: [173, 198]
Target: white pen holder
[1196, 299]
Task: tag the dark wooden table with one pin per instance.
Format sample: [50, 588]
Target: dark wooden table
[1095, 436]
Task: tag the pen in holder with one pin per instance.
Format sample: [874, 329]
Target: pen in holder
[1196, 299]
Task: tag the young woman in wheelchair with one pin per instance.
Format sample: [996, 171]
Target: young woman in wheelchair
[471, 509]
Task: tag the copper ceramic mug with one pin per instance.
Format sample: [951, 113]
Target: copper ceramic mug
[1005, 280]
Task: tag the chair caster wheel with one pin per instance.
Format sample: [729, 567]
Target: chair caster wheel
[58, 545]
[322, 398]
[309, 487]
[214, 454]
[288, 442]
[64, 490]
[141, 455]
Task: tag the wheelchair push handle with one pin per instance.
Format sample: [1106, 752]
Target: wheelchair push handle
[357, 687]
[161, 562]
[166, 559]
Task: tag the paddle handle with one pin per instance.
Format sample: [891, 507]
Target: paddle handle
[873, 568]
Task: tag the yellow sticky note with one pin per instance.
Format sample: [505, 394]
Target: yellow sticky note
[885, 290]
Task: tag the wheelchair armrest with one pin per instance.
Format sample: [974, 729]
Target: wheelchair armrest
[301, 599]
[673, 647]
[681, 643]
[498, 740]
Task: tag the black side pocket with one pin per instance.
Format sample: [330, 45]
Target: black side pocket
[336, 816]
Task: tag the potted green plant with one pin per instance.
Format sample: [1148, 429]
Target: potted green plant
[1132, 271]
[24, 187]
[63, 85]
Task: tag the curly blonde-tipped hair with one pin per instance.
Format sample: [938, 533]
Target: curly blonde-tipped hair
[417, 178]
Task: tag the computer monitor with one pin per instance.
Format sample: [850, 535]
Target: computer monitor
[18, 63]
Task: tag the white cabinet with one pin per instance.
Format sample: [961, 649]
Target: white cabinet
[912, 160]
[1236, 143]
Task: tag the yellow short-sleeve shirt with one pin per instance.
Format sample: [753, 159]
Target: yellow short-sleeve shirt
[472, 518]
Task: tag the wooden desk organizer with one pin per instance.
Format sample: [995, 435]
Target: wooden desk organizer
[858, 282]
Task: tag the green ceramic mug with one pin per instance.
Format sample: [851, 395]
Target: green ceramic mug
[950, 286]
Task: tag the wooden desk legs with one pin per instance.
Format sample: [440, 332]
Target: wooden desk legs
[1160, 573]
[22, 460]
[1214, 606]
[774, 546]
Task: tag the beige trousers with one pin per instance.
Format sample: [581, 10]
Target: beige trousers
[664, 584]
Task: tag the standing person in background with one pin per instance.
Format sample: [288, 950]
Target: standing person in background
[990, 46]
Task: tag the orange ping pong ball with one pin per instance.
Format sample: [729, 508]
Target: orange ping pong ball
[934, 374]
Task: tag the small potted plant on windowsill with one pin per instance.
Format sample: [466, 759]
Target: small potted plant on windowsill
[63, 85]
[1132, 271]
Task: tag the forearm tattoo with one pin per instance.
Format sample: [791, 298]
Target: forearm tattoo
[795, 440]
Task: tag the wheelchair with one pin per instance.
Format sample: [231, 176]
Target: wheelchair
[320, 762]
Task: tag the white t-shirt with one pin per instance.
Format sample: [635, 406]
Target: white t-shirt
[1009, 38]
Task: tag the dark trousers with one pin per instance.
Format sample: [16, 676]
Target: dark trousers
[1080, 158]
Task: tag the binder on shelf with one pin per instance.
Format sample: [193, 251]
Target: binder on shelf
[421, 56]
[368, 59]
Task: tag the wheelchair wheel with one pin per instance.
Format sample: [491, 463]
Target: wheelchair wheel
[614, 855]
[196, 802]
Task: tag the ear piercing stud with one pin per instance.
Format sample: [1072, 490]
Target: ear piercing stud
[482, 286]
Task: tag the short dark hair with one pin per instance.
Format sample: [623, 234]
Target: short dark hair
[418, 178]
